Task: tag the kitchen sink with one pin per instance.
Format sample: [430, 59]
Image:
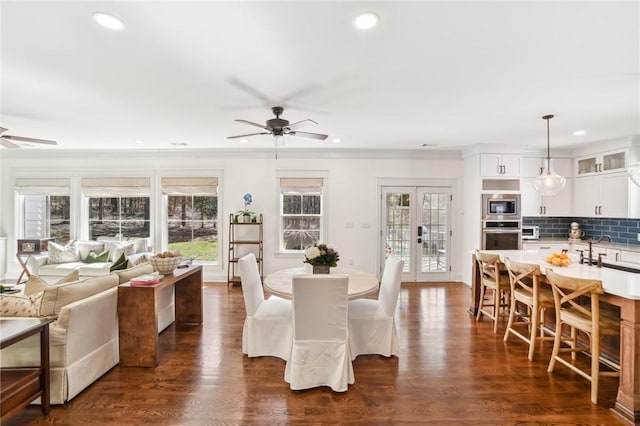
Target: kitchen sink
[632, 269]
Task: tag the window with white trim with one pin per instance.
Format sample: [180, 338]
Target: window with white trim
[192, 216]
[118, 207]
[301, 213]
[45, 209]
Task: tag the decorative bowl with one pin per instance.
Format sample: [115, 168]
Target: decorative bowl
[165, 265]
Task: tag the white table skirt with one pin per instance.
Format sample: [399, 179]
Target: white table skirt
[361, 284]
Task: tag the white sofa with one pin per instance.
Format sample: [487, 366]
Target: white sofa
[83, 341]
[44, 267]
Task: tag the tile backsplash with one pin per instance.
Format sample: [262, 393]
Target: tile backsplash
[623, 231]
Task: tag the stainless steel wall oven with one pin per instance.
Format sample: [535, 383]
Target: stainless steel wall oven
[501, 222]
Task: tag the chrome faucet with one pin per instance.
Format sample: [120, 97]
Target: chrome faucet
[591, 242]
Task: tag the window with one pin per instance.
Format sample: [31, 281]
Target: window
[192, 217]
[124, 217]
[118, 207]
[46, 216]
[301, 213]
[45, 209]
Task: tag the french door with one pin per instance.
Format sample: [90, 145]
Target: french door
[416, 227]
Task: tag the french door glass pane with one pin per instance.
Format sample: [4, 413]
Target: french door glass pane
[398, 239]
[434, 236]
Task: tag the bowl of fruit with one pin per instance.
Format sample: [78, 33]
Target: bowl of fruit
[166, 262]
[558, 259]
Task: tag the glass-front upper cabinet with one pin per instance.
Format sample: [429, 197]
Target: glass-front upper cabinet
[612, 161]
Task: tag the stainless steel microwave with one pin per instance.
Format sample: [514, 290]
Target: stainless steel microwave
[501, 206]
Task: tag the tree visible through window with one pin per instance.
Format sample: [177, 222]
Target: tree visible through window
[301, 220]
[46, 216]
[125, 217]
[192, 223]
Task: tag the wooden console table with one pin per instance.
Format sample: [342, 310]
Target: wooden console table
[138, 314]
[20, 386]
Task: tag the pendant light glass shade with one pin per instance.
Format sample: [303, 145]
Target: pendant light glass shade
[634, 173]
[549, 182]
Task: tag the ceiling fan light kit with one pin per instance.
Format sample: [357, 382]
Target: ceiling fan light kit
[549, 182]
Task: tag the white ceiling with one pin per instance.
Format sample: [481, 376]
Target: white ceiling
[453, 74]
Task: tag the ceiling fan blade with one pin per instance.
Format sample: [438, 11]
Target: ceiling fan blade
[251, 123]
[250, 90]
[30, 140]
[7, 144]
[250, 134]
[309, 135]
[301, 123]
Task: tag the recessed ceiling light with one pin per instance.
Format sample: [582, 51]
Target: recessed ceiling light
[140, 141]
[244, 141]
[178, 143]
[579, 133]
[337, 140]
[108, 21]
[366, 21]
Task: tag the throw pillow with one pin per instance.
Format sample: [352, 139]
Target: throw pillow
[121, 263]
[84, 247]
[94, 257]
[140, 260]
[36, 284]
[62, 254]
[139, 244]
[20, 306]
[127, 248]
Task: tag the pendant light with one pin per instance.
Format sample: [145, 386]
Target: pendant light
[549, 182]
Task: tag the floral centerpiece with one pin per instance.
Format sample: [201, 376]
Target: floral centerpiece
[321, 257]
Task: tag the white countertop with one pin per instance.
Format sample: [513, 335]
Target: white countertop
[620, 283]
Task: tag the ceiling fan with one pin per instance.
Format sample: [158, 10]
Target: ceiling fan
[6, 140]
[280, 127]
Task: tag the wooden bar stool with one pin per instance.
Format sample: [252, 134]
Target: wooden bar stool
[493, 277]
[526, 289]
[587, 318]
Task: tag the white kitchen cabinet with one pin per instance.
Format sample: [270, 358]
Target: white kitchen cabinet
[533, 204]
[630, 256]
[500, 165]
[605, 162]
[604, 195]
[534, 166]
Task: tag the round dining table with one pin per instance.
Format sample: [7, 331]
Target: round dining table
[361, 284]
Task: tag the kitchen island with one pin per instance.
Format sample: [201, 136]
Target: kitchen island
[622, 289]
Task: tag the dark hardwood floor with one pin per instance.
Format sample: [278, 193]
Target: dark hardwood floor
[452, 371]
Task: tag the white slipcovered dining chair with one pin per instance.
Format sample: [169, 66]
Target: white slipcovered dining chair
[372, 328]
[267, 328]
[320, 350]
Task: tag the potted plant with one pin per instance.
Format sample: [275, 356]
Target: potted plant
[245, 214]
[321, 257]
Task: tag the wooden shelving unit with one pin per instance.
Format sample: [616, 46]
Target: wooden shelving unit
[244, 238]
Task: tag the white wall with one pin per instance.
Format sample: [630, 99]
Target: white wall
[351, 192]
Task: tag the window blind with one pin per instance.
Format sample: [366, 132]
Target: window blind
[298, 185]
[182, 186]
[37, 186]
[116, 187]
